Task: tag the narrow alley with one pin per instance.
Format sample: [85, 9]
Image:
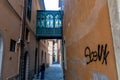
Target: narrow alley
[53, 72]
[59, 39]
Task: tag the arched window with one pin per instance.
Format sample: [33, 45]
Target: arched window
[57, 21]
[49, 21]
[42, 21]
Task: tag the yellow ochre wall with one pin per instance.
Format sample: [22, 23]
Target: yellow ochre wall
[88, 39]
[10, 26]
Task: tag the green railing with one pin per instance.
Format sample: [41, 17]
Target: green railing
[49, 24]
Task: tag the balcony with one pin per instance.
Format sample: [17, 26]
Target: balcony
[49, 24]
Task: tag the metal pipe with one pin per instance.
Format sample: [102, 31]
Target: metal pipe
[21, 68]
[21, 74]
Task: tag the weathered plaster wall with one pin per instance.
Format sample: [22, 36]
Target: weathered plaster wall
[10, 26]
[89, 45]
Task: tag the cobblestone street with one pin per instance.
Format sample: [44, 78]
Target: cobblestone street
[53, 72]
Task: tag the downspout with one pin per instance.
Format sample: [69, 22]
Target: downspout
[21, 76]
[21, 68]
[63, 45]
[63, 58]
[38, 56]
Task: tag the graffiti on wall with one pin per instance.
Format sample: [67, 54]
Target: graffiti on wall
[100, 54]
[99, 76]
[82, 67]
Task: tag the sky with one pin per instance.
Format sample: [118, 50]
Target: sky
[51, 4]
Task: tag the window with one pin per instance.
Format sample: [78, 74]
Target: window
[49, 21]
[42, 21]
[36, 60]
[29, 7]
[27, 35]
[12, 45]
[58, 23]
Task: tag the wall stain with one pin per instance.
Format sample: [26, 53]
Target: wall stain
[87, 26]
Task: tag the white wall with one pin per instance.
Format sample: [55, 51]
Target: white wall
[114, 12]
[118, 5]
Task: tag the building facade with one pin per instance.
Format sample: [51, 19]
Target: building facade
[19, 58]
[59, 50]
[43, 51]
[55, 51]
[50, 51]
[89, 42]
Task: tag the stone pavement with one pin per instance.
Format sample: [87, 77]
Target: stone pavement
[54, 72]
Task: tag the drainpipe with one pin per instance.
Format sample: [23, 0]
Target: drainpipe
[63, 42]
[63, 58]
[21, 75]
[21, 68]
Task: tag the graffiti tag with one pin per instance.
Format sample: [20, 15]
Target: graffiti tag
[100, 54]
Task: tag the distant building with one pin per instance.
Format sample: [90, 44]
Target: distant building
[59, 51]
[50, 51]
[55, 52]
